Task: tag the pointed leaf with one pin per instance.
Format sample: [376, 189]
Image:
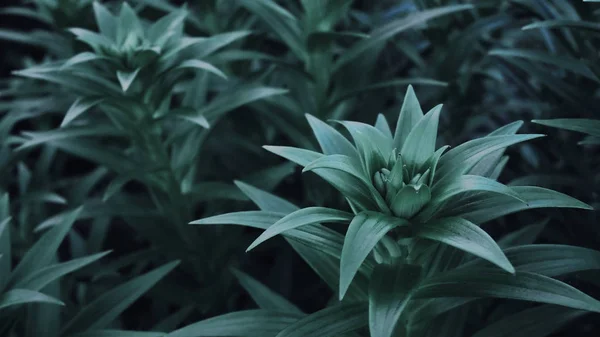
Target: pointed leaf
[44, 250]
[486, 282]
[332, 321]
[104, 309]
[265, 298]
[248, 323]
[420, 143]
[126, 78]
[410, 200]
[301, 157]
[202, 65]
[42, 277]
[390, 290]
[78, 107]
[587, 126]
[364, 232]
[410, 115]
[382, 125]
[330, 140]
[106, 22]
[24, 296]
[466, 236]
[540, 321]
[302, 217]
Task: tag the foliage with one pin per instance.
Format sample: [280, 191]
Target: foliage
[123, 121]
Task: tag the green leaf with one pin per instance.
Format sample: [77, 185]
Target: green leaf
[320, 41]
[540, 321]
[486, 282]
[128, 25]
[410, 115]
[104, 309]
[42, 277]
[106, 22]
[461, 159]
[552, 260]
[302, 217]
[419, 145]
[587, 126]
[299, 156]
[410, 200]
[470, 183]
[562, 23]
[281, 22]
[568, 63]
[364, 232]
[44, 250]
[82, 58]
[242, 96]
[248, 323]
[373, 146]
[256, 219]
[332, 321]
[390, 289]
[202, 65]
[382, 125]
[5, 245]
[126, 78]
[265, 298]
[497, 205]
[330, 140]
[24, 296]
[387, 31]
[96, 41]
[78, 107]
[264, 200]
[466, 236]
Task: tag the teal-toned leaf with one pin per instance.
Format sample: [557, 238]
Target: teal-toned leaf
[44, 250]
[364, 232]
[128, 25]
[390, 289]
[81, 58]
[263, 296]
[552, 260]
[202, 65]
[281, 22]
[24, 296]
[78, 107]
[103, 310]
[211, 44]
[322, 41]
[562, 23]
[410, 200]
[248, 323]
[256, 219]
[462, 158]
[419, 145]
[330, 140]
[301, 157]
[332, 321]
[96, 41]
[242, 96]
[387, 31]
[42, 277]
[302, 217]
[126, 78]
[534, 322]
[486, 282]
[5, 245]
[382, 125]
[56, 135]
[470, 183]
[466, 236]
[410, 115]
[564, 62]
[107, 23]
[265, 200]
[587, 126]
[497, 205]
[373, 146]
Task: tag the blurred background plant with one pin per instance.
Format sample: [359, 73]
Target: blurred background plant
[144, 114]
